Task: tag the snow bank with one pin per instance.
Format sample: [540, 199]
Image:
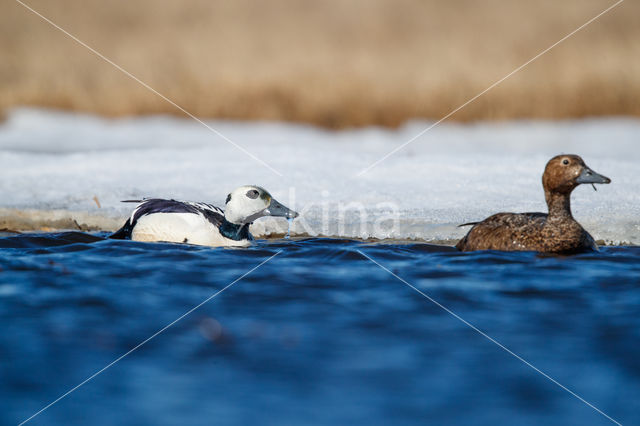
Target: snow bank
[54, 161]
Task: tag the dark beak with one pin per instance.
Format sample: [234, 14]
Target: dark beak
[589, 176]
[277, 209]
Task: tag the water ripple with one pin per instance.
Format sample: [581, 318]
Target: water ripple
[317, 326]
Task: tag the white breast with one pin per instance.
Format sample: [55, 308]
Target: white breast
[181, 228]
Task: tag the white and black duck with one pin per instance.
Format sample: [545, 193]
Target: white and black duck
[156, 219]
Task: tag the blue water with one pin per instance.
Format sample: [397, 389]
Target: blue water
[319, 334]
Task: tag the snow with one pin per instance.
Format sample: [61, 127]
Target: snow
[454, 173]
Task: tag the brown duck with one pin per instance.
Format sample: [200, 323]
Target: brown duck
[556, 232]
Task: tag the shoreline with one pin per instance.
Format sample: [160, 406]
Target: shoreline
[14, 221]
[65, 171]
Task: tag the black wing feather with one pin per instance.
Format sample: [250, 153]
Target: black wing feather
[159, 205]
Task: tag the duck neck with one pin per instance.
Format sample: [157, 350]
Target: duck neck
[559, 204]
[234, 231]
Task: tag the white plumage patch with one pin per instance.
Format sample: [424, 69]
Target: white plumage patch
[188, 228]
[157, 219]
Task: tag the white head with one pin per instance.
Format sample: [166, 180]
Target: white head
[248, 203]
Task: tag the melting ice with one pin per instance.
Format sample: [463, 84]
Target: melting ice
[454, 173]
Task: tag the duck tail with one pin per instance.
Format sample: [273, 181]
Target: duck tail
[468, 224]
[123, 233]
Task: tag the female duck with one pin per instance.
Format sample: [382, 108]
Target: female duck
[174, 221]
[556, 232]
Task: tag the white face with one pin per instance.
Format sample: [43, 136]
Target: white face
[248, 203]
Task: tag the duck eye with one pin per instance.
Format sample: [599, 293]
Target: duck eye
[253, 194]
[565, 161]
[228, 199]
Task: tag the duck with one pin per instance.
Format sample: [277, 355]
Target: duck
[158, 219]
[553, 232]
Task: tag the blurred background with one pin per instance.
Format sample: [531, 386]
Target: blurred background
[331, 63]
[320, 335]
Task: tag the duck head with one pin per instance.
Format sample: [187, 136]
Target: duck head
[248, 203]
[564, 173]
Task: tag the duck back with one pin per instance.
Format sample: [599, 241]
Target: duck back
[527, 232]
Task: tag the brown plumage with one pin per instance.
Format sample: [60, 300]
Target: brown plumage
[555, 232]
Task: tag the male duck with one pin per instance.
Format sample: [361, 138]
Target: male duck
[174, 221]
[556, 232]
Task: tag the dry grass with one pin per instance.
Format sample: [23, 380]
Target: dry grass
[330, 62]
